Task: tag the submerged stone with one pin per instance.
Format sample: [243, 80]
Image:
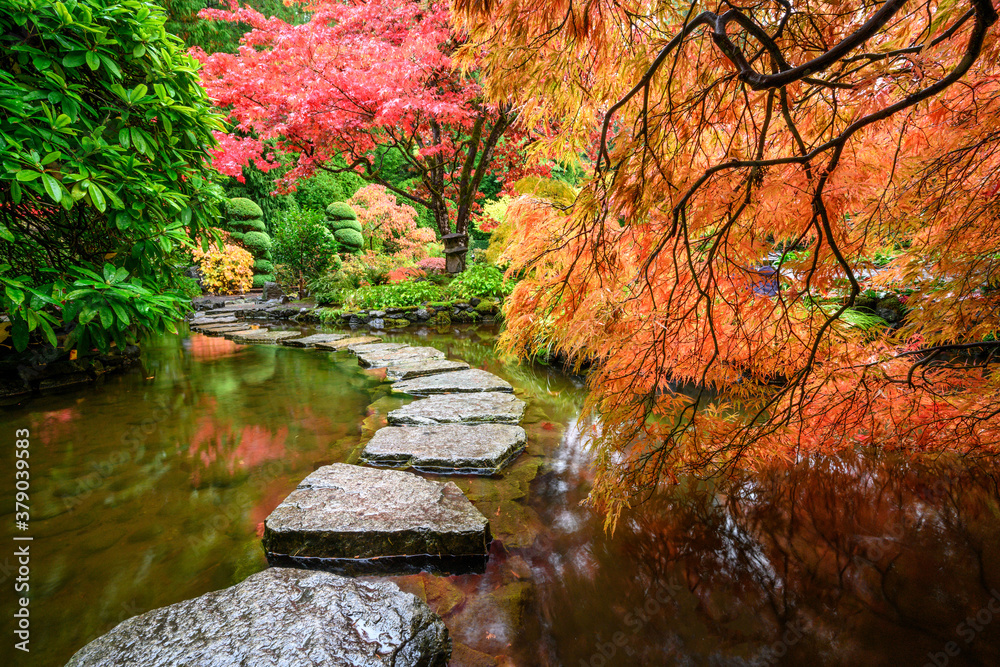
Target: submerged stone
[483, 449]
[345, 343]
[263, 336]
[284, 617]
[347, 511]
[459, 382]
[487, 407]
[416, 369]
[313, 340]
[405, 355]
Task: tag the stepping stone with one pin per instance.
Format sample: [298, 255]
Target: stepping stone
[485, 408]
[446, 448]
[311, 341]
[416, 369]
[263, 336]
[361, 348]
[403, 355]
[338, 345]
[231, 335]
[199, 321]
[221, 328]
[281, 616]
[460, 382]
[346, 511]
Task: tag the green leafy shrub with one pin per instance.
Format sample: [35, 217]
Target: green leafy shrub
[313, 194]
[263, 266]
[257, 242]
[254, 225]
[225, 270]
[261, 278]
[304, 245]
[480, 280]
[399, 295]
[105, 130]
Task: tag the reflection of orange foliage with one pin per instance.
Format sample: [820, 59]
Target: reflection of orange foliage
[211, 347]
[246, 448]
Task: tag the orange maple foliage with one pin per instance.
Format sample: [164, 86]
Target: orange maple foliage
[721, 138]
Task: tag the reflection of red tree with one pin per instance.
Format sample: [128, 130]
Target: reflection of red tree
[211, 347]
[55, 426]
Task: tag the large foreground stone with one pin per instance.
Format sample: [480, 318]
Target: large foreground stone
[405, 355]
[280, 616]
[263, 336]
[482, 449]
[345, 343]
[416, 369]
[313, 340]
[491, 407]
[346, 511]
[468, 381]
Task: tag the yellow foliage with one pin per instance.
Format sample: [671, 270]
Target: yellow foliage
[225, 271]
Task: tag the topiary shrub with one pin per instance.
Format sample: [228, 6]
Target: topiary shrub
[257, 242]
[339, 210]
[241, 208]
[263, 266]
[253, 225]
[349, 239]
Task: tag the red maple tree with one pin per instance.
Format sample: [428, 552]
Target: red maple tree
[358, 80]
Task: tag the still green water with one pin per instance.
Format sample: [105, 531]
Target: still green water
[152, 488]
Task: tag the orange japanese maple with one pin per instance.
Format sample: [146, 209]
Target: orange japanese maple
[723, 136]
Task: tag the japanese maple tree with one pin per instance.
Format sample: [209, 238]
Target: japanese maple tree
[389, 225]
[357, 80]
[724, 137]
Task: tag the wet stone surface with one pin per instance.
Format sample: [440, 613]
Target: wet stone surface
[313, 340]
[363, 348]
[481, 449]
[220, 328]
[347, 511]
[263, 336]
[487, 407]
[416, 369]
[246, 330]
[280, 617]
[345, 343]
[405, 355]
[472, 380]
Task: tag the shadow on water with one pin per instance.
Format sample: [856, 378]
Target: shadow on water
[152, 488]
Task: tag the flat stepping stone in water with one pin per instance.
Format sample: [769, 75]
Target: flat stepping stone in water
[361, 348]
[338, 345]
[468, 381]
[446, 448]
[281, 616]
[346, 511]
[416, 369]
[263, 336]
[485, 408]
[201, 321]
[221, 328]
[231, 335]
[404, 355]
[311, 341]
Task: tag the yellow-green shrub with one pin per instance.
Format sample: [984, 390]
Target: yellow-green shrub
[225, 271]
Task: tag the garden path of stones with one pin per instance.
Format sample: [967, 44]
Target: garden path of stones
[464, 422]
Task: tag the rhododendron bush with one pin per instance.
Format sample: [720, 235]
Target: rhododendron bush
[723, 137]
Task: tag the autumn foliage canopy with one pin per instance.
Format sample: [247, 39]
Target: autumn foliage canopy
[813, 137]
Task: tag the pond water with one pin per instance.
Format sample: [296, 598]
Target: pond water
[152, 488]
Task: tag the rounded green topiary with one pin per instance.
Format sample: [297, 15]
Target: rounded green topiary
[241, 208]
[261, 278]
[339, 210]
[251, 225]
[257, 242]
[236, 236]
[267, 255]
[349, 239]
[263, 266]
[334, 225]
